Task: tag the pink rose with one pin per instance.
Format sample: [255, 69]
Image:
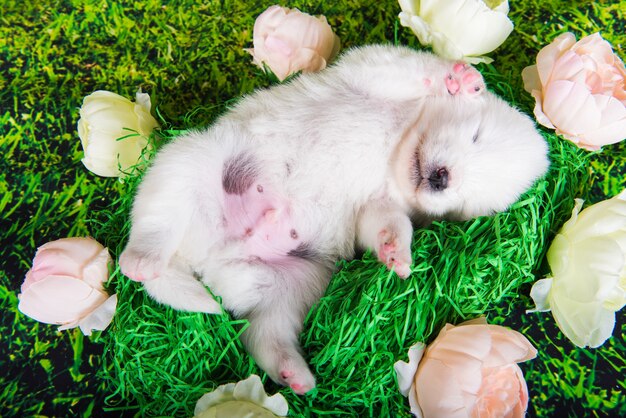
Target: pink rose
[287, 41]
[579, 90]
[64, 285]
[468, 371]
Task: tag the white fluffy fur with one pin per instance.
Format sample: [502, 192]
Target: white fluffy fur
[347, 154]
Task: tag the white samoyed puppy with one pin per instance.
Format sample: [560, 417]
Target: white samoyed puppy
[260, 206]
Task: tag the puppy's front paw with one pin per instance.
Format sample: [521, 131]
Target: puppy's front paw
[394, 253]
[464, 80]
[297, 376]
[139, 267]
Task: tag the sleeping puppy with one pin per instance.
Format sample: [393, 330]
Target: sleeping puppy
[260, 206]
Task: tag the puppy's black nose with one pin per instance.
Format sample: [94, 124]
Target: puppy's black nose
[438, 179]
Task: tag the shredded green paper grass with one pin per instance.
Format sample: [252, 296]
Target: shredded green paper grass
[165, 360]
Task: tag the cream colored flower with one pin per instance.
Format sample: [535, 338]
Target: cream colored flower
[114, 131]
[246, 398]
[288, 41]
[64, 285]
[588, 263]
[579, 90]
[458, 29]
[469, 370]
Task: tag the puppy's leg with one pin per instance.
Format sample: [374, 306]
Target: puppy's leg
[383, 227]
[177, 287]
[272, 339]
[165, 207]
[404, 74]
[275, 298]
[159, 221]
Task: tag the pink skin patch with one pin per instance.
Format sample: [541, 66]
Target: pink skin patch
[262, 219]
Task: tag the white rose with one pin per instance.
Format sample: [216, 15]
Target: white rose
[114, 131]
[588, 263]
[458, 29]
[246, 398]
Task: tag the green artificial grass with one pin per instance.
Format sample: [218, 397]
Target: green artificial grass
[365, 322]
[189, 56]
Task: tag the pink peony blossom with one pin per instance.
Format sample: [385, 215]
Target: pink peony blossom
[579, 90]
[288, 41]
[65, 285]
[469, 370]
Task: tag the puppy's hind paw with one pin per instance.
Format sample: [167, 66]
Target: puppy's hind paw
[297, 377]
[139, 267]
[464, 80]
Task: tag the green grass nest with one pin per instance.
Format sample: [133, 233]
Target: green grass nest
[366, 321]
[153, 361]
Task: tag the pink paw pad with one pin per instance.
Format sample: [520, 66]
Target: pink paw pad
[298, 385]
[464, 79]
[298, 388]
[459, 67]
[452, 85]
[392, 256]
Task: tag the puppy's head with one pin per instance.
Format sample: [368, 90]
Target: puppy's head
[468, 157]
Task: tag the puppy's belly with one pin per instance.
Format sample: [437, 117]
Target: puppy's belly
[263, 222]
[257, 216]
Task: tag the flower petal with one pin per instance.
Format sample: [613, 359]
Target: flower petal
[541, 117]
[540, 293]
[547, 57]
[222, 393]
[502, 393]
[580, 115]
[602, 218]
[432, 378]
[508, 346]
[99, 319]
[530, 77]
[405, 372]
[594, 269]
[419, 26]
[60, 300]
[63, 257]
[96, 271]
[410, 6]
[470, 25]
[612, 127]
[251, 389]
[585, 324]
